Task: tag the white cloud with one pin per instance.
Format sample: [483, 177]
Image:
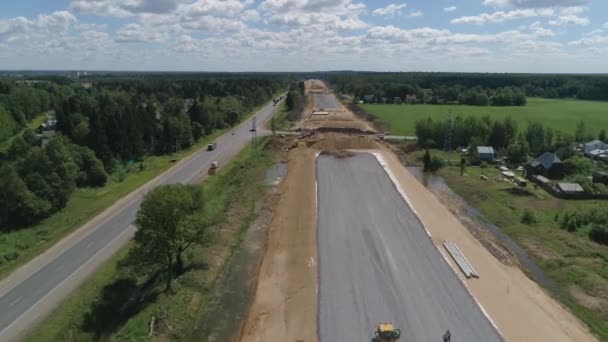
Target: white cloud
[605, 25]
[250, 16]
[534, 3]
[337, 7]
[57, 21]
[590, 41]
[137, 33]
[500, 16]
[229, 8]
[322, 14]
[574, 10]
[98, 7]
[449, 9]
[415, 14]
[540, 31]
[21, 28]
[536, 46]
[330, 21]
[569, 20]
[389, 10]
[211, 24]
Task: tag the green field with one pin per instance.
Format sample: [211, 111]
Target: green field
[558, 114]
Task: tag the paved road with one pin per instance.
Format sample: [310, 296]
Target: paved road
[376, 263]
[23, 303]
[326, 101]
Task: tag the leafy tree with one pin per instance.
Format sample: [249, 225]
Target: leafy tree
[535, 136]
[18, 205]
[581, 132]
[518, 150]
[90, 169]
[290, 101]
[168, 224]
[602, 135]
[498, 136]
[197, 131]
[7, 124]
[18, 147]
[510, 130]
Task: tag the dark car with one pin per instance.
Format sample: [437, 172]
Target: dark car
[211, 147]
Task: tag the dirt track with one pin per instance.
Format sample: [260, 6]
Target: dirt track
[285, 303]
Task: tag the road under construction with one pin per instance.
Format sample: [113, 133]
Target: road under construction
[355, 240]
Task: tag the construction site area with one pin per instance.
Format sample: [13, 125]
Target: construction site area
[357, 249]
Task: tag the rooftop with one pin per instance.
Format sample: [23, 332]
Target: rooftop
[485, 149]
[546, 159]
[570, 187]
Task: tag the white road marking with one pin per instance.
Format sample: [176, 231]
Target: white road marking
[15, 301]
[90, 245]
[59, 268]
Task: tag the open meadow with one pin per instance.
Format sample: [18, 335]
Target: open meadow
[562, 115]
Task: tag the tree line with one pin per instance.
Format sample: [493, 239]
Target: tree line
[503, 135]
[470, 88]
[102, 128]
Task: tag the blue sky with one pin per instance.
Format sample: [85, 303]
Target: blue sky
[306, 35]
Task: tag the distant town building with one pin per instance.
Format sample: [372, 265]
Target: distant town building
[485, 153]
[410, 98]
[547, 164]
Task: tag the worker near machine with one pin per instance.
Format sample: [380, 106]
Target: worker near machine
[447, 336]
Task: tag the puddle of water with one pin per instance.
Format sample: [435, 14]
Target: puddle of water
[436, 183]
[275, 174]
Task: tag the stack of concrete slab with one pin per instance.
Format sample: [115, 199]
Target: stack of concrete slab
[462, 262]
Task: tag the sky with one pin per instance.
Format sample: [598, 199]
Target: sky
[544, 36]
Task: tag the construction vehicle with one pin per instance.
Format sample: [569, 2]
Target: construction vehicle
[386, 332]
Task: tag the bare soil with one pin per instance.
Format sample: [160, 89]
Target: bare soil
[285, 303]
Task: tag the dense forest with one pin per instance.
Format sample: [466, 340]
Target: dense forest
[95, 126]
[472, 89]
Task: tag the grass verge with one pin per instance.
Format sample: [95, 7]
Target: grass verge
[20, 246]
[558, 114]
[578, 266]
[104, 309]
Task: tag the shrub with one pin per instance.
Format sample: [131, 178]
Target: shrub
[571, 221]
[599, 234]
[528, 217]
[483, 165]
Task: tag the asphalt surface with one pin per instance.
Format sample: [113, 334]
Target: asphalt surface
[376, 263]
[326, 101]
[21, 301]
